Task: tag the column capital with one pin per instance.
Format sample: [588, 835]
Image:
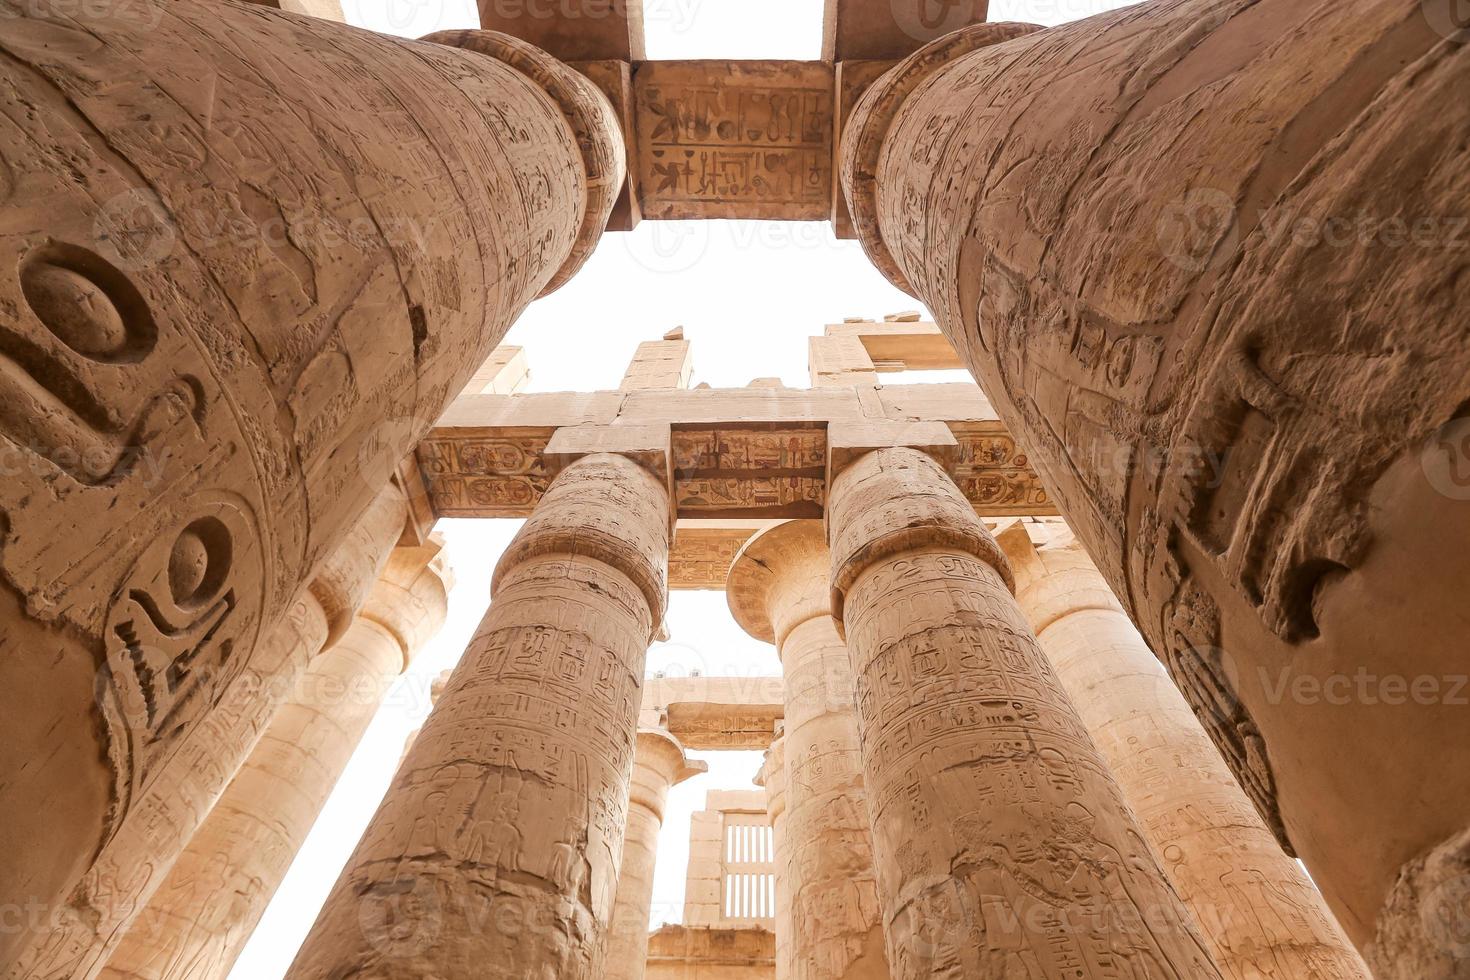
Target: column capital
[1054, 576]
[778, 580]
[630, 533]
[593, 120]
[411, 597]
[345, 578]
[659, 762]
[896, 500]
[867, 131]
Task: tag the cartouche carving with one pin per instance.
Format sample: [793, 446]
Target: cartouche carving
[1188, 251]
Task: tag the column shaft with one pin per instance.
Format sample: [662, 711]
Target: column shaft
[1003, 847]
[773, 777]
[658, 764]
[1174, 244]
[778, 590]
[236, 298]
[1255, 906]
[202, 916]
[495, 852]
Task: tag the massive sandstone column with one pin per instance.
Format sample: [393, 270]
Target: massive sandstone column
[201, 917]
[74, 940]
[495, 853]
[779, 592]
[1207, 258]
[1256, 908]
[1002, 844]
[658, 763]
[772, 777]
[248, 257]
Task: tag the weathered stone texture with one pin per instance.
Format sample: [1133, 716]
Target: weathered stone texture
[1258, 911]
[779, 593]
[496, 850]
[1003, 847]
[250, 257]
[1208, 258]
[658, 764]
[206, 910]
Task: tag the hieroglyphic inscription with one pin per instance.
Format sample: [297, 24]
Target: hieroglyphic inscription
[1003, 845]
[505, 822]
[701, 557]
[735, 139]
[995, 474]
[740, 472]
[498, 474]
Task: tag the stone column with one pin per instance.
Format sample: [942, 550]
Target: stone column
[496, 850]
[1256, 908]
[1188, 248]
[658, 763]
[778, 592]
[201, 917]
[235, 300]
[1002, 844]
[169, 811]
[773, 777]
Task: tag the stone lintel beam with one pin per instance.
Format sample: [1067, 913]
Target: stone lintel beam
[572, 30]
[901, 345]
[704, 713]
[741, 453]
[660, 364]
[505, 372]
[861, 29]
[734, 139]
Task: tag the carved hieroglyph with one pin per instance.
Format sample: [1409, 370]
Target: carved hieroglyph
[1256, 908]
[136, 861]
[233, 298]
[205, 911]
[742, 139]
[495, 852]
[1209, 260]
[779, 592]
[1002, 844]
[658, 763]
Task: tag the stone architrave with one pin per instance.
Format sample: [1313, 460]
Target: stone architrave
[779, 592]
[206, 910]
[1003, 846]
[1255, 906]
[658, 764]
[772, 776]
[1199, 255]
[234, 300]
[495, 852]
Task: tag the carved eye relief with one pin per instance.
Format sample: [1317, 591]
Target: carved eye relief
[199, 563]
[87, 304]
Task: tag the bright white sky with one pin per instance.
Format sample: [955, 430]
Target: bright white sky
[748, 294]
